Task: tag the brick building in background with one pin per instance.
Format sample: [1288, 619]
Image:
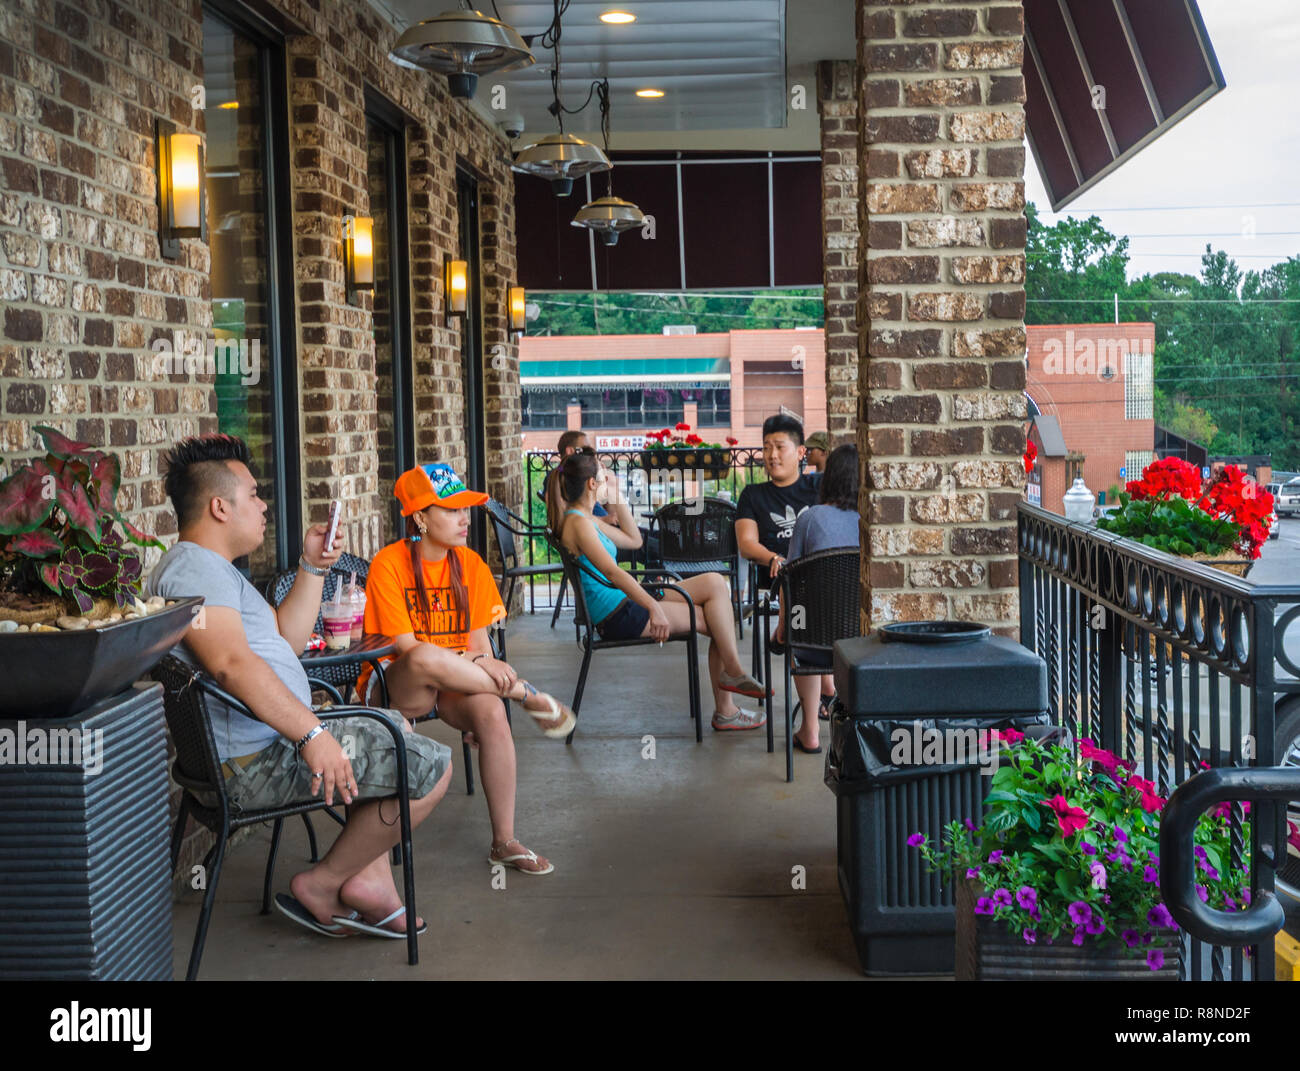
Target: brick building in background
[1093, 385]
[722, 384]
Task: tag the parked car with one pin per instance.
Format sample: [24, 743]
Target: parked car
[1274, 527]
[1286, 499]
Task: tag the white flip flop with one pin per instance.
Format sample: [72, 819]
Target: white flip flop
[377, 929]
[540, 716]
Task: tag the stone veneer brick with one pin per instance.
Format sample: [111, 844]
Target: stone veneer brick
[941, 299]
[86, 291]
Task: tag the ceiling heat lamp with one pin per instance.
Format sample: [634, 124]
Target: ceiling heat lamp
[461, 44]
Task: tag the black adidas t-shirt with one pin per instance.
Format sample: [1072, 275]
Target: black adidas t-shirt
[775, 509]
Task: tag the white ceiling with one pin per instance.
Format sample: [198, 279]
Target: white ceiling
[722, 64]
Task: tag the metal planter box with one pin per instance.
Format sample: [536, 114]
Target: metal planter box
[85, 865]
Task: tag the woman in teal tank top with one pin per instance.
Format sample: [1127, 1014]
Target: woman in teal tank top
[621, 608]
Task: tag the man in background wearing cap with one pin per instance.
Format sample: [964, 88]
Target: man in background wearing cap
[287, 754]
[818, 445]
[437, 599]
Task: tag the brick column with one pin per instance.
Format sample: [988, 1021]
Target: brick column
[837, 105]
[941, 308]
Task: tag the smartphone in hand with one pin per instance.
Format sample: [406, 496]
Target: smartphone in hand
[332, 527]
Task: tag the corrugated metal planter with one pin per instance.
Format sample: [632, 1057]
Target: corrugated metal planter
[989, 952]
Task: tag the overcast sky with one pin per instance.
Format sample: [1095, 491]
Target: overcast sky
[1234, 161]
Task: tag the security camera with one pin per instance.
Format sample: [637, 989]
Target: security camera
[513, 125]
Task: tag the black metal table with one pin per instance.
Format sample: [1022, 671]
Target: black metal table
[370, 648]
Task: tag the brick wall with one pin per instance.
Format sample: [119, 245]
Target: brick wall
[86, 291]
[941, 308]
[837, 105]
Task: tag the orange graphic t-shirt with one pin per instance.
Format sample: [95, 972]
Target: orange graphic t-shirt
[392, 604]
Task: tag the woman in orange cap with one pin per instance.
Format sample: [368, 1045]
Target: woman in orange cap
[437, 598]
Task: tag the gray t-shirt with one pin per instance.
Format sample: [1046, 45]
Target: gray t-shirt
[189, 569]
[822, 528]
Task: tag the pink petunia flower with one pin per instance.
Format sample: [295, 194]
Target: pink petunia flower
[1069, 819]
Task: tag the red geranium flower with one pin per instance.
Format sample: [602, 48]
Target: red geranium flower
[1031, 452]
[732, 441]
[683, 427]
[1069, 819]
[693, 440]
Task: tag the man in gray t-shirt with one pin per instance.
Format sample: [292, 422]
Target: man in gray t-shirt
[189, 569]
[286, 753]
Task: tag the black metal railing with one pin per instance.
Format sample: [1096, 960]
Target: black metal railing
[646, 492]
[1174, 666]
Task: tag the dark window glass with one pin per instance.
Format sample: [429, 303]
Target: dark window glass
[242, 291]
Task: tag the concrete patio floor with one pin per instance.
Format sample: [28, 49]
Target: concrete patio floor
[678, 866]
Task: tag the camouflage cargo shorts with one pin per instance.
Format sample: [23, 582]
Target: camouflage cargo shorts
[277, 775]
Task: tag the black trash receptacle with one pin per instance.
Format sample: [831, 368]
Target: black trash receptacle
[916, 700]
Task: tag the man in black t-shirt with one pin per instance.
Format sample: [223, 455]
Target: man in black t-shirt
[766, 512]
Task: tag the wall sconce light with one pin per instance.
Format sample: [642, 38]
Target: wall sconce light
[181, 195]
[359, 253]
[516, 303]
[455, 286]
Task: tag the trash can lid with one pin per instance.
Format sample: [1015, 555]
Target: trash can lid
[991, 675]
[933, 632]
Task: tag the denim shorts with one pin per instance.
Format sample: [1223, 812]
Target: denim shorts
[627, 622]
[277, 775]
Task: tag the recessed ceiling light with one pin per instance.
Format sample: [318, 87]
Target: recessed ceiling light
[617, 18]
[649, 93]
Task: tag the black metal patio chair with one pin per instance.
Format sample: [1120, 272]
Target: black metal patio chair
[197, 770]
[591, 640]
[506, 526]
[821, 594]
[699, 536]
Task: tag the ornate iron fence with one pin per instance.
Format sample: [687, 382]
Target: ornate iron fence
[1174, 666]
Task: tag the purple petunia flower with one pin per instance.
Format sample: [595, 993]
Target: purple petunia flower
[1098, 873]
[1155, 959]
[1120, 835]
[1159, 916]
[1031, 937]
[1155, 859]
[1080, 912]
[1027, 897]
[1203, 893]
[1150, 875]
[1115, 854]
[1077, 939]
[1106, 899]
[1131, 938]
[1002, 898]
[973, 872]
[915, 839]
[984, 906]
[1210, 872]
[1089, 849]
[1035, 914]
[1095, 925]
[970, 826]
[1245, 896]
[1199, 852]
[995, 856]
[1229, 904]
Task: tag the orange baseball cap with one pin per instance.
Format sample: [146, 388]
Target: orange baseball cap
[434, 485]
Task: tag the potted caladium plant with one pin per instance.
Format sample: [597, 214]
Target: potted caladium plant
[61, 533]
[71, 566]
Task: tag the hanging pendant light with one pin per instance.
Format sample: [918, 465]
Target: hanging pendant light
[462, 45]
[561, 158]
[608, 216]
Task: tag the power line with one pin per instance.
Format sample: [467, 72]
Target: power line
[1180, 208]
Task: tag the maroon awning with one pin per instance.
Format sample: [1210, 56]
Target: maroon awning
[748, 220]
[1103, 78]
